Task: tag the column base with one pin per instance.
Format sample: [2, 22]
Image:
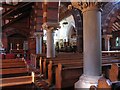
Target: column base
[50, 56]
[86, 81]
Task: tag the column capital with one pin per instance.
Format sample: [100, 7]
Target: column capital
[50, 26]
[84, 5]
[38, 33]
[107, 36]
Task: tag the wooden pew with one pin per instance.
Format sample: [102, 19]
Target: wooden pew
[37, 60]
[13, 63]
[114, 72]
[16, 81]
[15, 75]
[52, 66]
[43, 63]
[43, 55]
[20, 80]
[63, 72]
[13, 66]
[67, 76]
[51, 63]
[12, 60]
[111, 53]
[13, 72]
[66, 58]
[46, 66]
[65, 61]
[33, 60]
[103, 83]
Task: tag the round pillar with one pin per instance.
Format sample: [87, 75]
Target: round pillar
[38, 42]
[50, 27]
[92, 44]
[50, 44]
[107, 42]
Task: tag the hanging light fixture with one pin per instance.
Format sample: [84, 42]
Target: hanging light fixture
[65, 23]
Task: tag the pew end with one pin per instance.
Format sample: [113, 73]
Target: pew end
[114, 72]
[103, 83]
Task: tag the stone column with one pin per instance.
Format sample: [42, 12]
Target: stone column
[50, 27]
[50, 43]
[107, 42]
[38, 42]
[92, 44]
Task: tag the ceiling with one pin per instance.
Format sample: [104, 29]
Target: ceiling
[111, 17]
[14, 11]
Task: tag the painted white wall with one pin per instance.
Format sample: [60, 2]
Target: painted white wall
[64, 31]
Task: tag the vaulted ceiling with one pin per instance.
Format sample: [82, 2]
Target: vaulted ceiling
[14, 13]
[111, 17]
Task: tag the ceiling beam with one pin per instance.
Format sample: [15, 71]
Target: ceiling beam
[115, 29]
[21, 5]
[7, 6]
[116, 26]
[64, 14]
[15, 19]
[118, 17]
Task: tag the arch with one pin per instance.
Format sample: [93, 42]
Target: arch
[78, 17]
[112, 20]
[109, 16]
[70, 30]
[13, 31]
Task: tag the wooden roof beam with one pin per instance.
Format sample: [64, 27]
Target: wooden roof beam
[15, 19]
[21, 5]
[7, 6]
[116, 26]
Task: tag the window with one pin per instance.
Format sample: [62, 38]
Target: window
[117, 41]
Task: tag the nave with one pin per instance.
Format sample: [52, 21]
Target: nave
[60, 45]
[52, 73]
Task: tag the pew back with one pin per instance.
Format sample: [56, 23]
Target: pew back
[15, 72]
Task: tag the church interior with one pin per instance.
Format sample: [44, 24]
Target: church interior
[60, 45]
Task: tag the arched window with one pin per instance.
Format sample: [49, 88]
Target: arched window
[117, 41]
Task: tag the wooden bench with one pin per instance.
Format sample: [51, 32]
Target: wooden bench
[103, 83]
[47, 63]
[43, 62]
[65, 58]
[35, 60]
[47, 68]
[114, 72]
[113, 83]
[52, 66]
[15, 75]
[12, 63]
[13, 81]
[71, 73]
[67, 76]
[65, 62]
[111, 53]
